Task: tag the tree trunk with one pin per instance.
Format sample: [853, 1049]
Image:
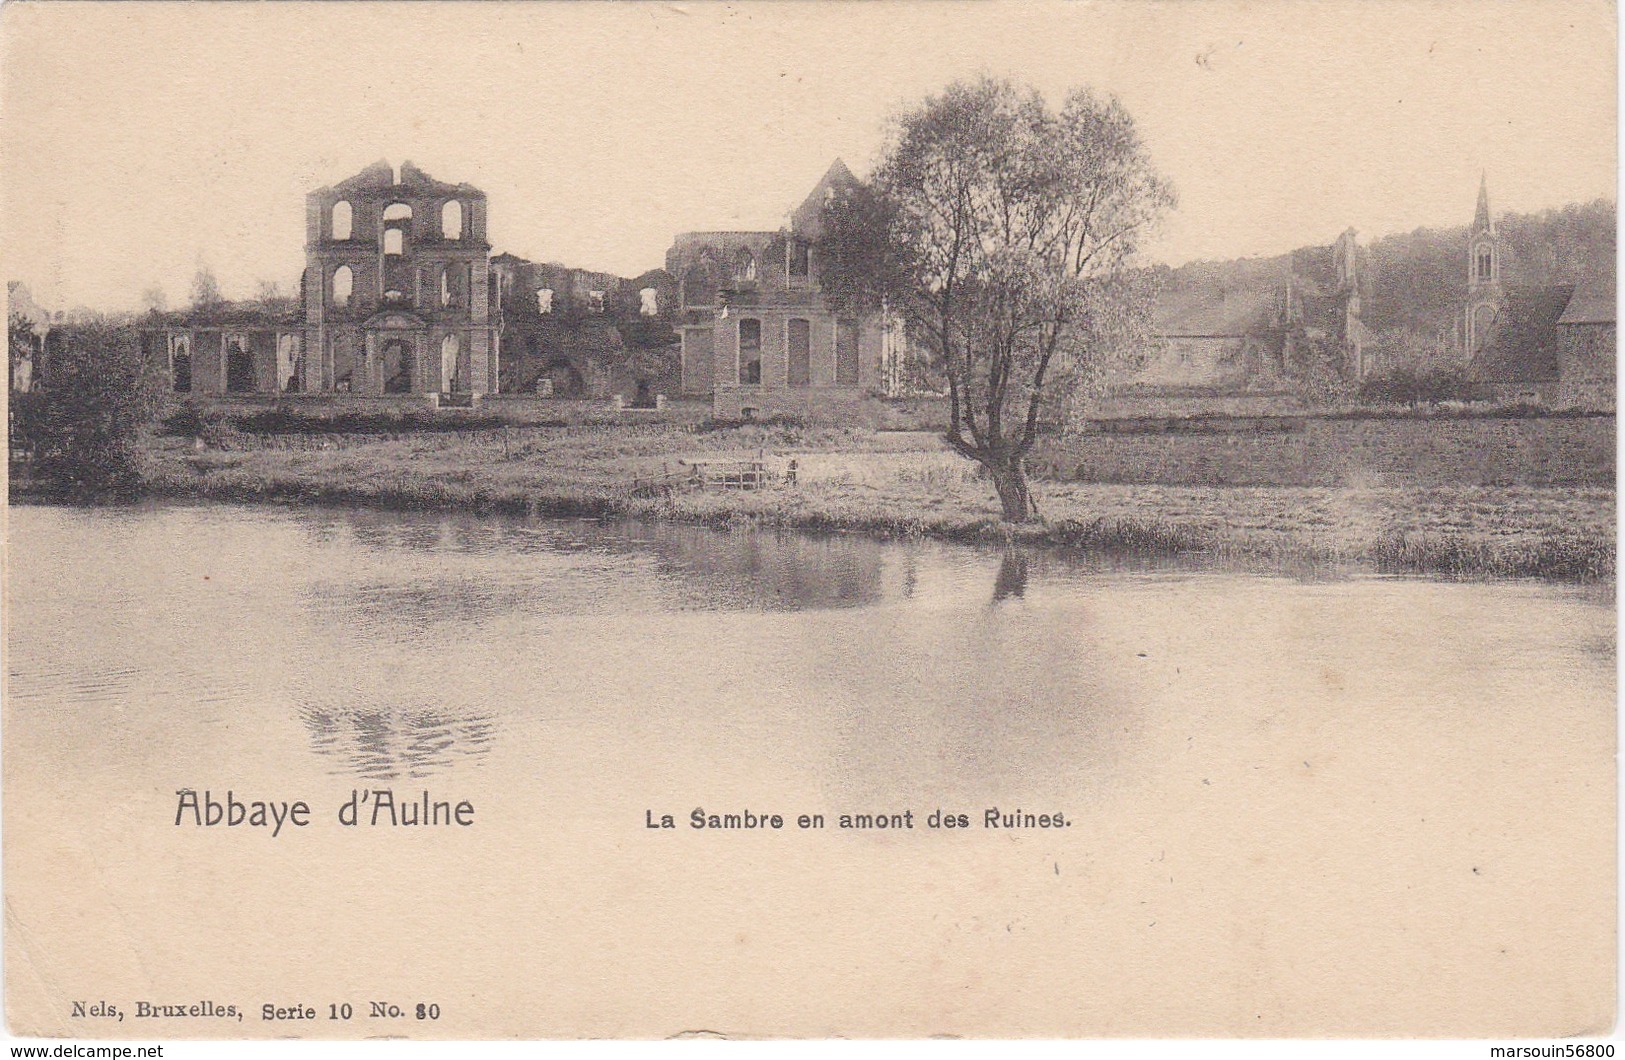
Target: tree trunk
[1010, 479]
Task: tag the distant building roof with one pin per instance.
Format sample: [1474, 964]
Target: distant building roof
[1524, 348]
[1205, 312]
[1589, 307]
[807, 219]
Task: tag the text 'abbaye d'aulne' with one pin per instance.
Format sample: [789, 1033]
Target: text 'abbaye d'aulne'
[372, 807]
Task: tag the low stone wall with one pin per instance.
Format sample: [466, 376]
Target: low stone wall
[524, 408]
[518, 409]
[1335, 451]
[311, 404]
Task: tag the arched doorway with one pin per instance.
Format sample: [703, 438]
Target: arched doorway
[397, 367]
[567, 381]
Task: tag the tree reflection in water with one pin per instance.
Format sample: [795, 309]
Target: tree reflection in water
[1012, 577]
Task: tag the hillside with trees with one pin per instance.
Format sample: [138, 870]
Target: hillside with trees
[1414, 283]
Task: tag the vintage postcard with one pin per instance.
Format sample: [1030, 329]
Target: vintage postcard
[894, 520]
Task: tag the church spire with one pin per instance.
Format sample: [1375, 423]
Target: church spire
[1482, 221]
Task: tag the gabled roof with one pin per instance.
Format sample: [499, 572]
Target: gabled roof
[805, 220]
[1203, 311]
[1524, 348]
[1589, 307]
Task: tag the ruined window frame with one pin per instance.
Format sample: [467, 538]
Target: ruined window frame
[445, 228]
[180, 347]
[337, 300]
[349, 221]
[798, 259]
[450, 343]
[751, 376]
[238, 347]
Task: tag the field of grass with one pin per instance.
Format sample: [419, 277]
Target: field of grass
[909, 484]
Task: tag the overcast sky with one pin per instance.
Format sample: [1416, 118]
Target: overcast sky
[141, 140]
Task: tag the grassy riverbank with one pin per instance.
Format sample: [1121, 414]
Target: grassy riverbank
[899, 485]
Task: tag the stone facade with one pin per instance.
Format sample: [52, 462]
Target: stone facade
[228, 349]
[757, 334]
[397, 293]
[1587, 351]
[573, 334]
[395, 301]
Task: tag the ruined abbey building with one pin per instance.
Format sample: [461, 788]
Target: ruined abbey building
[395, 299]
[758, 336]
[401, 299]
[575, 334]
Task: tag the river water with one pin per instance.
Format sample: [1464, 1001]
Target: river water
[1312, 804]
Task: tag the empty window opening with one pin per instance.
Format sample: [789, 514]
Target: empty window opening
[544, 301]
[397, 367]
[343, 220]
[180, 364]
[288, 363]
[397, 221]
[449, 348]
[744, 266]
[595, 301]
[798, 341]
[649, 302]
[846, 353]
[750, 351]
[799, 257]
[343, 285]
[239, 365]
[445, 287]
[451, 220]
[343, 354]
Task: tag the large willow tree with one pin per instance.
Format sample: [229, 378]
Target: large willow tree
[1003, 232]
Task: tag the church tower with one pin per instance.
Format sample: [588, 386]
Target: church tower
[1485, 293]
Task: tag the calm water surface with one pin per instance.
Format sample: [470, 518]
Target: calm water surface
[1279, 787]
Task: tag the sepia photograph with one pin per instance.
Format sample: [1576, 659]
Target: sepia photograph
[902, 520]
